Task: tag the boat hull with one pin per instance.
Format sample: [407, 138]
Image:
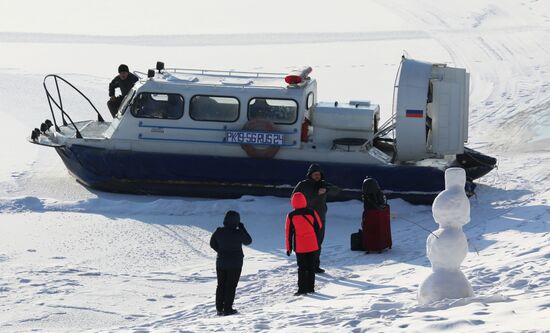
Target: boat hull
[228, 177]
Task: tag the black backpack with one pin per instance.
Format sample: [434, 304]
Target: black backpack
[356, 241]
[373, 197]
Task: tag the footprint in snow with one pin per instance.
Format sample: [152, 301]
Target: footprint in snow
[17, 174]
[433, 318]
[90, 274]
[482, 313]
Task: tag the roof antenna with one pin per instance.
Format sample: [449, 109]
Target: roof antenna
[405, 54]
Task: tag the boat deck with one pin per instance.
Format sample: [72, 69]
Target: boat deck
[89, 129]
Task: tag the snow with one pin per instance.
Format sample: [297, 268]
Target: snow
[169, 17]
[75, 259]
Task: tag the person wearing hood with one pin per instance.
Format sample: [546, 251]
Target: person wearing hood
[125, 82]
[227, 241]
[302, 228]
[316, 189]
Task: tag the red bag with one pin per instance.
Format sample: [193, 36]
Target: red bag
[376, 229]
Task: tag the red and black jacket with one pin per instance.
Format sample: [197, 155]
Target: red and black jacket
[302, 226]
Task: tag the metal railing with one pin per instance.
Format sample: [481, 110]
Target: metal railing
[215, 72]
[59, 105]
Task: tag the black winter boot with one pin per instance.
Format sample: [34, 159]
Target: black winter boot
[230, 312]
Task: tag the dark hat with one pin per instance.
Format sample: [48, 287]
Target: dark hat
[232, 219]
[314, 167]
[123, 68]
[370, 185]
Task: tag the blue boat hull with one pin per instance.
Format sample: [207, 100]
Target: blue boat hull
[227, 177]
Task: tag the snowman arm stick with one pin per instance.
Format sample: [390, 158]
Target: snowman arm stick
[473, 245]
[421, 227]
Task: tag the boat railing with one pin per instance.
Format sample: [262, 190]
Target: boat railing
[59, 103]
[215, 72]
[386, 128]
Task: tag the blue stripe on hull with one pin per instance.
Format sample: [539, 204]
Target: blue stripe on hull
[173, 174]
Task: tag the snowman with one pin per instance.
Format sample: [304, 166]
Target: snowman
[447, 246]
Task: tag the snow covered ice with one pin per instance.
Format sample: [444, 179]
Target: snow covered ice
[447, 247]
[74, 260]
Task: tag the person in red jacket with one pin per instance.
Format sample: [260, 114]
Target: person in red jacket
[303, 226]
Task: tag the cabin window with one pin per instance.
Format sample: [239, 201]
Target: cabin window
[279, 111]
[310, 101]
[158, 106]
[214, 108]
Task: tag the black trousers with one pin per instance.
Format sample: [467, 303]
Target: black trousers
[114, 105]
[318, 259]
[320, 238]
[227, 284]
[306, 271]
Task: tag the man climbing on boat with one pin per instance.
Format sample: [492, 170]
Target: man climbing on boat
[124, 81]
[316, 189]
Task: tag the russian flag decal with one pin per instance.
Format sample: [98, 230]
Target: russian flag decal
[414, 113]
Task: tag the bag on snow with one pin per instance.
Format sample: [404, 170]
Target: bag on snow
[356, 241]
[376, 229]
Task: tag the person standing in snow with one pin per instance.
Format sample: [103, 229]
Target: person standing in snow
[124, 81]
[227, 242]
[302, 229]
[316, 189]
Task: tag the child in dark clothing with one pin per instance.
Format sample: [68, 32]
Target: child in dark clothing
[303, 226]
[227, 242]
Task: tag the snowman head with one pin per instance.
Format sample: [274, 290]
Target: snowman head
[451, 208]
[455, 177]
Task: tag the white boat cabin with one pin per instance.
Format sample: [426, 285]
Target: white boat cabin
[233, 108]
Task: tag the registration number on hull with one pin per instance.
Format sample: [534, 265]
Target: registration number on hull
[257, 138]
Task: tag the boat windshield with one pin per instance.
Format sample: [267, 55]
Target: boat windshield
[126, 101]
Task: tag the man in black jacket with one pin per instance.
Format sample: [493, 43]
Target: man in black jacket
[227, 242]
[124, 81]
[315, 188]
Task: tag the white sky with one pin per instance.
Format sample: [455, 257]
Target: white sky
[139, 17]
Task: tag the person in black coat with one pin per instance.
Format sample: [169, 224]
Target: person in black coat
[124, 81]
[227, 242]
[316, 189]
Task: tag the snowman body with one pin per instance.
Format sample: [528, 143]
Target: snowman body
[447, 247]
